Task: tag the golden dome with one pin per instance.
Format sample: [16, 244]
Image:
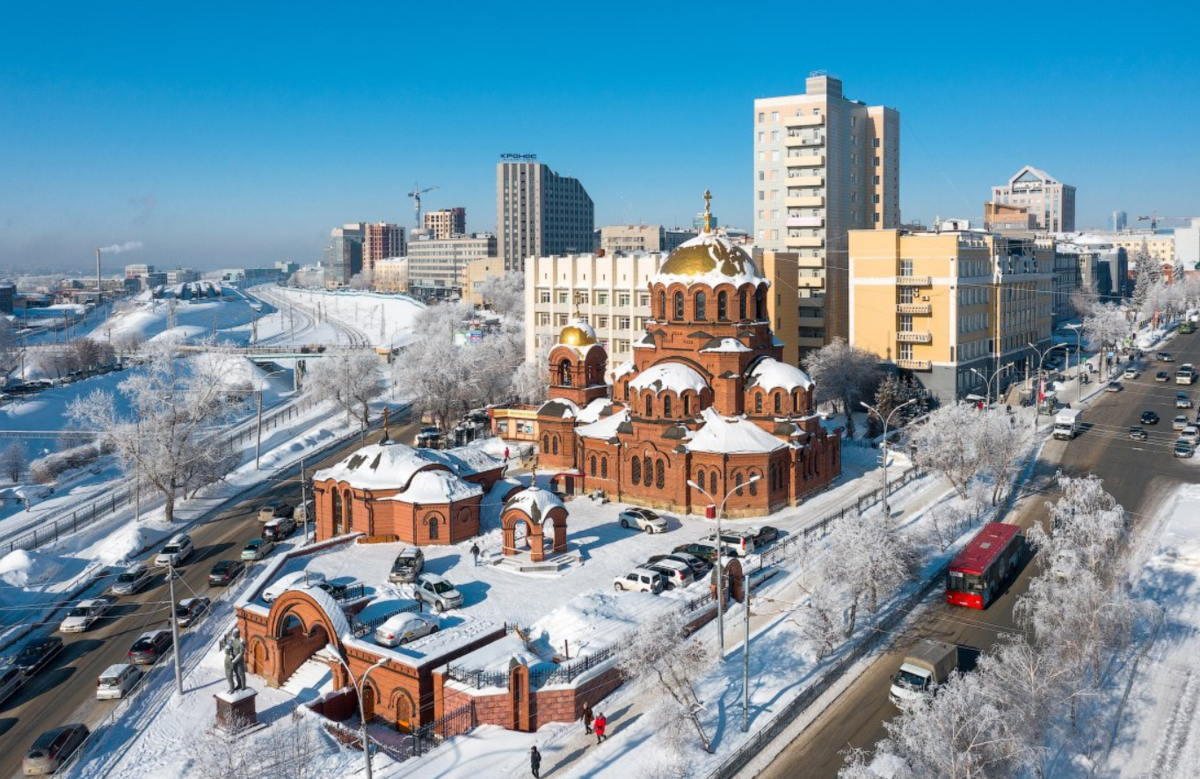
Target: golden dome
[706, 254]
[578, 333]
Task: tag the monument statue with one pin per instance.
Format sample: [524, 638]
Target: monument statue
[235, 662]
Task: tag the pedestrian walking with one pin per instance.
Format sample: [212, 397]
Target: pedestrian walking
[599, 726]
[506, 454]
[535, 761]
[475, 553]
[587, 719]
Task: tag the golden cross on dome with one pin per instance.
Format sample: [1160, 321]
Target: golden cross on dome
[577, 296]
[708, 211]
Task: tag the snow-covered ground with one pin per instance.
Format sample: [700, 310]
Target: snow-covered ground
[150, 320]
[300, 317]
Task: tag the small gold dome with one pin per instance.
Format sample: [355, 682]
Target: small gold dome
[578, 333]
[707, 254]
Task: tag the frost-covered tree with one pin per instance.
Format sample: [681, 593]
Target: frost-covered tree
[1083, 301]
[531, 381]
[8, 344]
[90, 353]
[844, 375]
[364, 279]
[167, 427]
[1148, 274]
[351, 381]
[505, 294]
[15, 460]
[1001, 446]
[947, 444]
[1105, 327]
[893, 392]
[674, 662]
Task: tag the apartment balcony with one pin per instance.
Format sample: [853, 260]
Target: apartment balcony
[914, 281]
[804, 201]
[914, 337]
[812, 321]
[915, 365]
[810, 120]
[804, 242]
[811, 279]
[805, 221]
[793, 142]
[914, 308]
[808, 161]
[806, 181]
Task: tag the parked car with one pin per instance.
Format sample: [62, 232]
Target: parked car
[674, 573]
[274, 510]
[11, 680]
[437, 592]
[1113, 386]
[1179, 422]
[1184, 448]
[188, 610]
[642, 519]
[296, 579]
[1191, 434]
[407, 565]
[1149, 418]
[1138, 433]
[279, 528]
[403, 628]
[1131, 373]
[37, 654]
[1165, 357]
[257, 549]
[1182, 400]
[85, 614]
[53, 749]
[116, 681]
[1162, 377]
[150, 647]
[176, 552]
[698, 566]
[225, 572]
[706, 552]
[335, 590]
[764, 535]
[132, 579]
[737, 543]
[640, 580]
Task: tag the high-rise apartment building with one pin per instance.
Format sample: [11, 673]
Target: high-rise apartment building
[1051, 202]
[1118, 221]
[381, 240]
[952, 307]
[823, 165]
[446, 222]
[344, 257]
[436, 265]
[540, 213]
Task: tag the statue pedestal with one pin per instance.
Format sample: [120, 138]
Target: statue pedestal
[236, 710]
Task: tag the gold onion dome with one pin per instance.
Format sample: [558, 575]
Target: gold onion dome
[578, 333]
[708, 253]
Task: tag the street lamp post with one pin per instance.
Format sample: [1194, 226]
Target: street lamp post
[987, 382]
[258, 442]
[1037, 406]
[362, 711]
[720, 567]
[1078, 349]
[887, 509]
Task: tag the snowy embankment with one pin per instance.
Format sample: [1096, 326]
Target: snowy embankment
[345, 318]
[150, 320]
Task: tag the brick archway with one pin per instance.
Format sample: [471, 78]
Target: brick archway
[515, 516]
[284, 648]
[402, 704]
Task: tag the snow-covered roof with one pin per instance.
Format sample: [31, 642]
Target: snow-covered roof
[727, 345]
[622, 369]
[526, 500]
[337, 617]
[561, 408]
[432, 647]
[645, 342]
[732, 435]
[392, 465]
[594, 410]
[605, 427]
[709, 259]
[437, 486]
[464, 460]
[671, 376]
[771, 374]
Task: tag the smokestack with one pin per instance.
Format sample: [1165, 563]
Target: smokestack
[98, 277]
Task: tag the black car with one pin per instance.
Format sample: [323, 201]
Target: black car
[1138, 434]
[1149, 418]
[765, 535]
[706, 552]
[150, 647]
[224, 572]
[37, 654]
[189, 610]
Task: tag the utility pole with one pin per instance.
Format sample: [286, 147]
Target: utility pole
[746, 653]
[174, 630]
[304, 501]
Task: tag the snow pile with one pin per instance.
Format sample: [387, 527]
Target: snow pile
[437, 487]
[671, 377]
[622, 369]
[725, 345]
[593, 411]
[736, 435]
[20, 568]
[604, 428]
[127, 541]
[771, 374]
[234, 370]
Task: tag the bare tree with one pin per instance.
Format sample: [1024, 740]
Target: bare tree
[351, 381]
[15, 460]
[844, 374]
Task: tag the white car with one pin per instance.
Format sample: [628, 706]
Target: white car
[1179, 422]
[289, 581]
[257, 549]
[674, 573]
[640, 580]
[1131, 373]
[1191, 434]
[85, 613]
[642, 519]
[403, 628]
[437, 592]
[177, 550]
[116, 681]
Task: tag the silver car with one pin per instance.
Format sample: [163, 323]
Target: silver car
[85, 613]
[403, 628]
[53, 749]
[132, 579]
[437, 592]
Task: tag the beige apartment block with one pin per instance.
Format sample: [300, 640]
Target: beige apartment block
[445, 222]
[475, 273]
[391, 275]
[955, 309]
[611, 293]
[628, 239]
[823, 166]
[1161, 246]
[436, 265]
[1049, 201]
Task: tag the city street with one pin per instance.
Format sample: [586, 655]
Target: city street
[65, 691]
[1138, 474]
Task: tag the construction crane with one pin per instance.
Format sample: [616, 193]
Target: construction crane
[1154, 219]
[416, 196]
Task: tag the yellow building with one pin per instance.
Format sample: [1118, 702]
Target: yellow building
[953, 307]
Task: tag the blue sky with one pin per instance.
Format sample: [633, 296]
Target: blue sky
[238, 134]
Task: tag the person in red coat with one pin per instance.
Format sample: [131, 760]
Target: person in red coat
[598, 725]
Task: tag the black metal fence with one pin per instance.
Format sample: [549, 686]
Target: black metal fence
[456, 723]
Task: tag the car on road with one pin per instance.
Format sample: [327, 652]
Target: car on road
[150, 647]
[1183, 400]
[11, 680]
[176, 552]
[1113, 386]
[642, 519]
[1138, 433]
[132, 579]
[764, 535]
[1165, 357]
[1162, 377]
[1131, 373]
[640, 580]
[279, 528]
[225, 572]
[706, 552]
[674, 573]
[407, 565]
[37, 654]
[403, 628]
[275, 509]
[1149, 418]
[188, 610]
[85, 614]
[698, 566]
[116, 681]
[1191, 434]
[289, 581]
[53, 749]
[437, 592]
[1179, 422]
[1184, 448]
[257, 549]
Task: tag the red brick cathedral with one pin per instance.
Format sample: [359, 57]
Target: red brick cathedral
[704, 399]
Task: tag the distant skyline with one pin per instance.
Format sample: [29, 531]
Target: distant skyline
[239, 134]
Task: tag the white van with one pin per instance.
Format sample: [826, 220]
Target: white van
[116, 681]
[737, 543]
[177, 550]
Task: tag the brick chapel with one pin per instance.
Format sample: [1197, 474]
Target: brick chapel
[704, 400]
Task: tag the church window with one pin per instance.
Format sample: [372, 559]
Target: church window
[349, 504]
[678, 305]
[796, 401]
[433, 527]
[687, 405]
[635, 470]
[660, 474]
[712, 482]
[737, 480]
[753, 488]
[647, 470]
[742, 305]
[666, 405]
[337, 513]
[778, 403]
[758, 403]
[603, 467]
[554, 445]
[760, 304]
[649, 406]
[722, 306]
[546, 443]
[662, 305]
[701, 305]
[564, 373]
[592, 466]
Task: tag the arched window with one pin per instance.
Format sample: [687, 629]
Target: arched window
[712, 482]
[666, 405]
[753, 488]
[603, 467]
[433, 527]
[592, 466]
[564, 373]
[337, 513]
[687, 405]
[722, 306]
[546, 442]
[737, 480]
[758, 403]
[660, 474]
[742, 304]
[635, 470]
[701, 306]
[678, 305]
[647, 470]
[760, 304]
[554, 445]
[662, 305]
[348, 502]
[778, 403]
[796, 401]
[649, 406]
